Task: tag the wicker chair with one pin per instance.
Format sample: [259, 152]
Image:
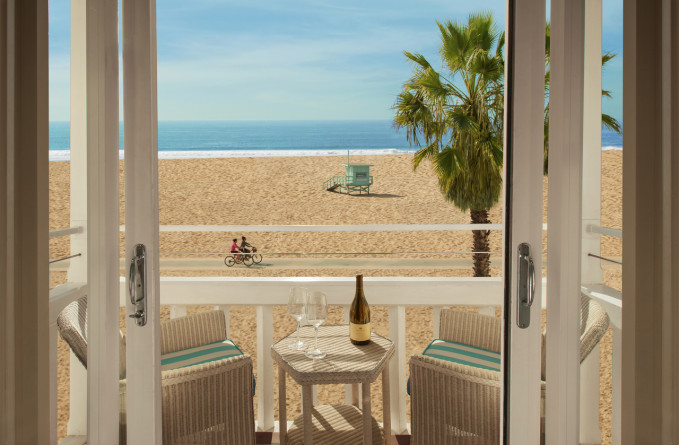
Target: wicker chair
[453, 403]
[208, 403]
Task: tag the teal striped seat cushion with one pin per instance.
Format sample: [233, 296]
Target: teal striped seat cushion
[202, 354]
[462, 354]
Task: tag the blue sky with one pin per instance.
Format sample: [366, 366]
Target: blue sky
[296, 59]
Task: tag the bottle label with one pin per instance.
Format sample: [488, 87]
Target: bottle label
[359, 332]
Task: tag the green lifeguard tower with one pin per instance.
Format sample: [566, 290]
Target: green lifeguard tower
[357, 179]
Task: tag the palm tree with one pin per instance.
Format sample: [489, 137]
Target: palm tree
[456, 120]
[607, 121]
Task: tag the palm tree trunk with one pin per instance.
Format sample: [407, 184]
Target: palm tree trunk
[481, 244]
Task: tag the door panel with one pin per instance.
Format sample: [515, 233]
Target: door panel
[141, 219]
[524, 105]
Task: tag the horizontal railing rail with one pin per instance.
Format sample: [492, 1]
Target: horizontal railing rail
[65, 232]
[329, 228]
[607, 231]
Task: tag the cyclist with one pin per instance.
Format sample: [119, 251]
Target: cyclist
[235, 249]
[244, 245]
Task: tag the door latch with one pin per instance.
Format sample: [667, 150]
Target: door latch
[525, 285]
[137, 284]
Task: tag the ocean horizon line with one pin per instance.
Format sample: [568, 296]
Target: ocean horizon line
[65, 155]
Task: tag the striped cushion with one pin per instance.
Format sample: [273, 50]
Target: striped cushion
[462, 354]
[196, 356]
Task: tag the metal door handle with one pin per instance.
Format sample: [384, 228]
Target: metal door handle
[525, 285]
[137, 284]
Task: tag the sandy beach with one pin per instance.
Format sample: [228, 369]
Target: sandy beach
[252, 191]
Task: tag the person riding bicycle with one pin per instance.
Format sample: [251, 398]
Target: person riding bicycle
[234, 248]
[244, 245]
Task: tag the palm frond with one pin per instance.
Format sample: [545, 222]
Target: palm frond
[419, 59]
[611, 123]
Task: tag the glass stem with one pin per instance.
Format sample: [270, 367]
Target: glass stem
[316, 338]
[298, 323]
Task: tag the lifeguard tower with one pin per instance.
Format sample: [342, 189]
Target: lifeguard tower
[357, 179]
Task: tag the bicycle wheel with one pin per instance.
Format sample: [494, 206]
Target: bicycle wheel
[229, 261]
[257, 258]
[247, 260]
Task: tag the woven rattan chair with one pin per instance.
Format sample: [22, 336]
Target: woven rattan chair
[453, 403]
[208, 403]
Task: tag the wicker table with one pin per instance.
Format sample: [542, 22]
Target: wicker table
[344, 364]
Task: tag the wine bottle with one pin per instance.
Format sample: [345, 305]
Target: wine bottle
[359, 316]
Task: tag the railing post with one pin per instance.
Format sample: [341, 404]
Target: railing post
[227, 314]
[487, 310]
[589, 398]
[436, 318]
[397, 369]
[348, 392]
[265, 421]
[77, 420]
[177, 310]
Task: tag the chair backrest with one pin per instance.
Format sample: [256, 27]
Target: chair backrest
[593, 326]
[72, 326]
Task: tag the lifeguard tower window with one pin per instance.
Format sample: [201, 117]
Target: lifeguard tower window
[357, 179]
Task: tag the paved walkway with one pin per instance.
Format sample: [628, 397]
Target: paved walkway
[215, 263]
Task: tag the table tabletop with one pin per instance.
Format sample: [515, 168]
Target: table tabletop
[344, 362]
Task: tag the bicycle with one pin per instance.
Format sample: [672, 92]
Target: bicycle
[256, 257]
[238, 258]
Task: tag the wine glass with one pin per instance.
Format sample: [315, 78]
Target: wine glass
[296, 307]
[316, 312]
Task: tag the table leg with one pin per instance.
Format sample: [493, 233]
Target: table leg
[307, 406]
[367, 414]
[282, 406]
[354, 394]
[386, 406]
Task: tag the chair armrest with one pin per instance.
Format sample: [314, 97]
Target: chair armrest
[450, 402]
[210, 403]
[192, 331]
[481, 331]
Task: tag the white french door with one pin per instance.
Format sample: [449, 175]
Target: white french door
[141, 222]
[522, 270]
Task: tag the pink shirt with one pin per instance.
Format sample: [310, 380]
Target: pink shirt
[234, 247]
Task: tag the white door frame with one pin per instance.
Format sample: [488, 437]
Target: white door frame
[141, 216]
[94, 120]
[524, 105]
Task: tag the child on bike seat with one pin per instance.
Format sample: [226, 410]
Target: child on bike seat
[234, 246]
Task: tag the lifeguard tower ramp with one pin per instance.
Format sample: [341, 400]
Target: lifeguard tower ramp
[357, 180]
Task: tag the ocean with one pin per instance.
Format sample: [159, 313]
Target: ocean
[214, 139]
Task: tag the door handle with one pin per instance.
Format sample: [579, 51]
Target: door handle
[525, 285]
[137, 284]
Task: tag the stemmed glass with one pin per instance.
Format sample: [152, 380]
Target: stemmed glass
[316, 313]
[296, 307]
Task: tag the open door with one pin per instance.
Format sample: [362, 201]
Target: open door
[524, 107]
[141, 223]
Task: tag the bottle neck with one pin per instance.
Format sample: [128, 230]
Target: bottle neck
[359, 283]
